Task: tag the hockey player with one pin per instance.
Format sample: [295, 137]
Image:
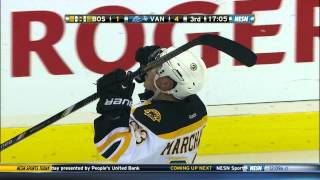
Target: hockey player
[166, 126]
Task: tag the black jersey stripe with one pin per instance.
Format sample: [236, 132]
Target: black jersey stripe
[111, 149]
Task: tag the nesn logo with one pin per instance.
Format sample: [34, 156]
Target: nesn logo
[242, 19]
[255, 168]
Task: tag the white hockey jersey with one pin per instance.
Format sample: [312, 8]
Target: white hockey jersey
[158, 132]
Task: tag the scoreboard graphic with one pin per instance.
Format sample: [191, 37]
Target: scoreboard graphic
[117, 18]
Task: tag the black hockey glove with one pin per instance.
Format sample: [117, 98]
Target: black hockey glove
[115, 95]
[144, 55]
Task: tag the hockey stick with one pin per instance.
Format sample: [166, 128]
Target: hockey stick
[232, 48]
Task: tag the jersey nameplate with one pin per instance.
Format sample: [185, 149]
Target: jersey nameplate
[183, 144]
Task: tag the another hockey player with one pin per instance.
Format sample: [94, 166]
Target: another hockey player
[164, 128]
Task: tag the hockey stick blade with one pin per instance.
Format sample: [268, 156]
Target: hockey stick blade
[232, 48]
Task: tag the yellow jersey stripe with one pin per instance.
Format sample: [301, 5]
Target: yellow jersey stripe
[185, 130]
[123, 148]
[110, 140]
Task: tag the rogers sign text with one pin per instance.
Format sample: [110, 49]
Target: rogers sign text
[85, 47]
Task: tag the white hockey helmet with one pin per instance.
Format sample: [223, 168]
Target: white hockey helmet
[187, 70]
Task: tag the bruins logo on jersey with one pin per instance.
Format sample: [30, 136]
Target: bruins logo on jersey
[153, 114]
